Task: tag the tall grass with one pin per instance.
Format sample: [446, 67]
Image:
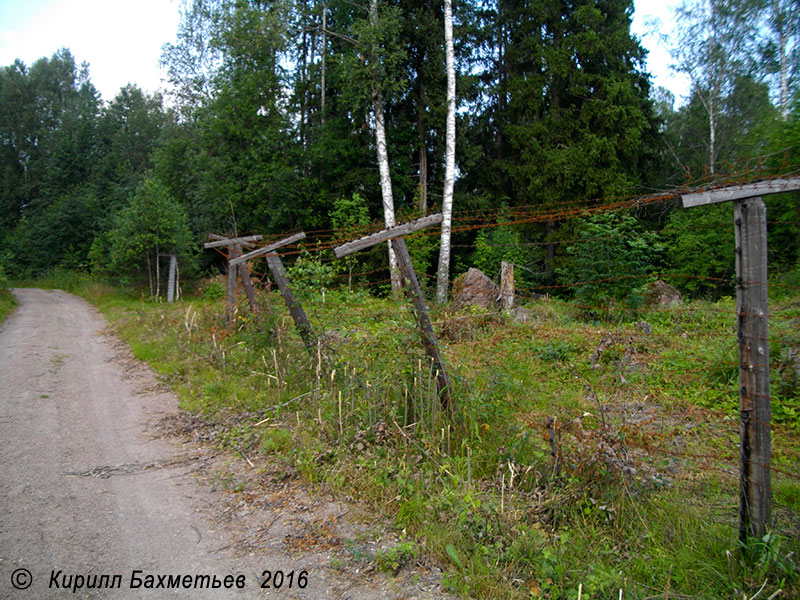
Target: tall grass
[583, 455]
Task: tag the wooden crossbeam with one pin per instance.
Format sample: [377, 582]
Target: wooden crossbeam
[386, 234]
[268, 249]
[394, 234]
[740, 192]
[218, 241]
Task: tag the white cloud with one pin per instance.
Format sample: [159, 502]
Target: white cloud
[121, 41]
[653, 23]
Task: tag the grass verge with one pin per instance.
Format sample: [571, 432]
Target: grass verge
[584, 454]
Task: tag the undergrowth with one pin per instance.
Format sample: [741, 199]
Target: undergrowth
[7, 300]
[593, 455]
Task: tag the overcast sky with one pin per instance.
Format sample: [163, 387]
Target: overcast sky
[121, 40]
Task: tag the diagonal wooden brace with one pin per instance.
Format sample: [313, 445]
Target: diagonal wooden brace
[394, 235]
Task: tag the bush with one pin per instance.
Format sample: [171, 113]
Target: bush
[700, 251]
[611, 263]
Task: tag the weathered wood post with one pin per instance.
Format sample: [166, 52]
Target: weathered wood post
[750, 219]
[750, 225]
[282, 281]
[244, 275]
[234, 249]
[394, 234]
[507, 285]
[171, 283]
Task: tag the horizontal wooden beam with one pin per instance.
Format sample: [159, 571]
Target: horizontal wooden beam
[386, 234]
[740, 192]
[219, 240]
[267, 249]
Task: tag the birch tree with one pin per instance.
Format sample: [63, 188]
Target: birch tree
[714, 42]
[443, 275]
[381, 54]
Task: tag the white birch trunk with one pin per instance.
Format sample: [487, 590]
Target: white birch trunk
[324, 53]
[443, 275]
[383, 165]
[158, 273]
[784, 67]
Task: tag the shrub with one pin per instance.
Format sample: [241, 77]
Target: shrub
[611, 262]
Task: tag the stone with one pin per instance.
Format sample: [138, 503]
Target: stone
[475, 288]
[522, 315]
[660, 294]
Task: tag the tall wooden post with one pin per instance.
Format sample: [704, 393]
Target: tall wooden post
[755, 446]
[173, 267]
[297, 312]
[423, 321]
[244, 275]
[750, 220]
[230, 293]
[507, 285]
[394, 234]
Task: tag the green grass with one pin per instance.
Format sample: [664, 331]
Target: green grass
[7, 304]
[645, 498]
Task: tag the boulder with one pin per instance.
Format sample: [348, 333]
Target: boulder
[474, 287]
[661, 294]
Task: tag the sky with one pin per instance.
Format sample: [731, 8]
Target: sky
[121, 40]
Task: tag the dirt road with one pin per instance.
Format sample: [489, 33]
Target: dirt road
[91, 495]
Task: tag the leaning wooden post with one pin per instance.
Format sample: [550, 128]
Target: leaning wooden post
[755, 446]
[418, 299]
[282, 281]
[297, 312]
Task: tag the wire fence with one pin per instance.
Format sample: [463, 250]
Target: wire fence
[636, 393]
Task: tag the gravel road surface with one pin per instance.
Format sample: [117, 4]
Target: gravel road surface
[89, 489]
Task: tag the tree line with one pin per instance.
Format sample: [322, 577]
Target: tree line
[272, 116]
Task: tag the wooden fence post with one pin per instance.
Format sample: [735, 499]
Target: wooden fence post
[171, 283]
[750, 220]
[297, 312]
[282, 281]
[507, 285]
[244, 275]
[755, 413]
[424, 322]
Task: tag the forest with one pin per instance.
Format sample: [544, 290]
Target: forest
[592, 446]
[269, 127]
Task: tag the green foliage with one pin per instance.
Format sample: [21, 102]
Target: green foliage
[151, 225]
[394, 558]
[764, 559]
[699, 250]
[7, 300]
[214, 291]
[611, 263]
[497, 244]
[310, 275]
[349, 216]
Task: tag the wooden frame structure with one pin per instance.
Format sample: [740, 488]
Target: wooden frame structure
[755, 451]
[233, 250]
[394, 235]
[282, 281]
